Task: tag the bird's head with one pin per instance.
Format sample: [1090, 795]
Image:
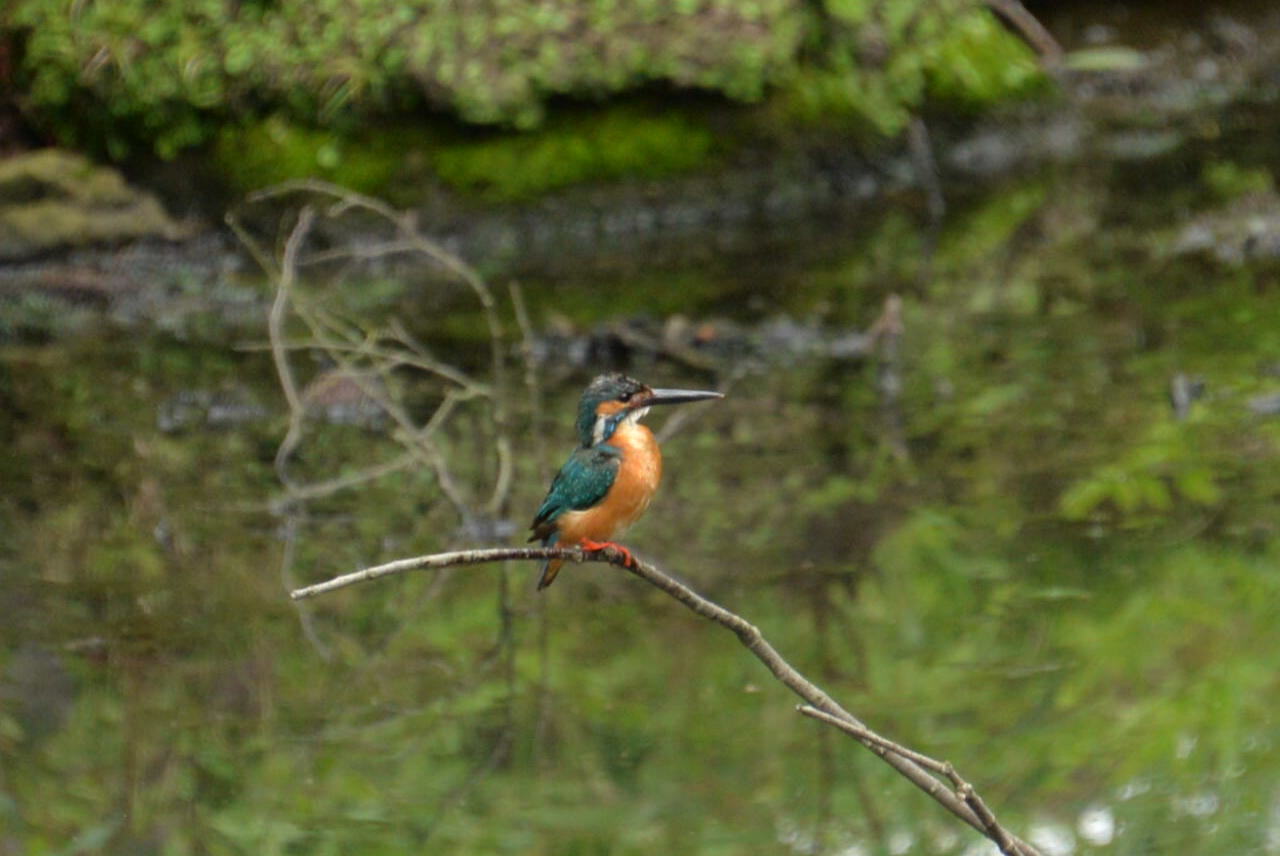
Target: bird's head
[611, 399]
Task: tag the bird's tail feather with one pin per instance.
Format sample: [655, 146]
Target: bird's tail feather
[550, 568]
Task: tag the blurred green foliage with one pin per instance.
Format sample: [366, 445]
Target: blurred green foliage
[120, 74]
[877, 63]
[1061, 588]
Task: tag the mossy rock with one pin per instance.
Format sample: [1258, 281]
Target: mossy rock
[169, 76]
[51, 199]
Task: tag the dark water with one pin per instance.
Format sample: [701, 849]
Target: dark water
[1020, 557]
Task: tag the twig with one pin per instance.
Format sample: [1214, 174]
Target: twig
[1026, 25]
[324, 329]
[635, 339]
[410, 239]
[291, 510]
[963, 803]
[328, 487]
[260, 255]
[440, 560]
[873, 740]
[412, 360]
[275, 331]
[1003, 839]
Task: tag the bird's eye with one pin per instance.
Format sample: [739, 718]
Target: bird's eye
[625, 397]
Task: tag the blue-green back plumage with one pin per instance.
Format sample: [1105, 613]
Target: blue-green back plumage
[582, 482]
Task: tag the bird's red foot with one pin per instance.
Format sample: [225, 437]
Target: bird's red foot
[628, 560]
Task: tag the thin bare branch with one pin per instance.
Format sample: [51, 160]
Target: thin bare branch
[438, 560]
[325, 329]
[336, 341]
[260, 255]
[873, 740]
[328, 487]
[422, 359]
[1009, 844]
[361, 252]
[275, 332]
[1026, 25]
[691, 357]
[406, 225]
[1003, 839]
[962, 804]
[410, 360]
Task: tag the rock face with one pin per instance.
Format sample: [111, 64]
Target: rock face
[52, 199]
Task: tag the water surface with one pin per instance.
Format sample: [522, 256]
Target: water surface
[1025, 560]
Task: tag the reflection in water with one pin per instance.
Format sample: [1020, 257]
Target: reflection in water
[1053, 839]
[1033, 569]
[1097, 825]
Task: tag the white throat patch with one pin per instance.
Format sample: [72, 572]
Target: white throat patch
[602, 423]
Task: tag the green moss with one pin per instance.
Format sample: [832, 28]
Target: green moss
[397, 160]
[256, 155]
[843, 96]
[51, 198]
[977, 63]
[114, 75]
[124, 71]
[878, 65]
[605, 145]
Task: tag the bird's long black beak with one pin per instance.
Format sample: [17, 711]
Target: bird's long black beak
[679, 396]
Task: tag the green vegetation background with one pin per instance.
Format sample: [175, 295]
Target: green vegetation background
[1064, 590]
[305, 87]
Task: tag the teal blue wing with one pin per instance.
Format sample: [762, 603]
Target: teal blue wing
[582, 482]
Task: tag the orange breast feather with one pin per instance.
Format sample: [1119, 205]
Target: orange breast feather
[638, 476]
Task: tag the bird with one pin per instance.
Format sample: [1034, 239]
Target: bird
[609, 479]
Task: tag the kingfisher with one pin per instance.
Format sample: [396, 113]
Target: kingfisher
[610, 478]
